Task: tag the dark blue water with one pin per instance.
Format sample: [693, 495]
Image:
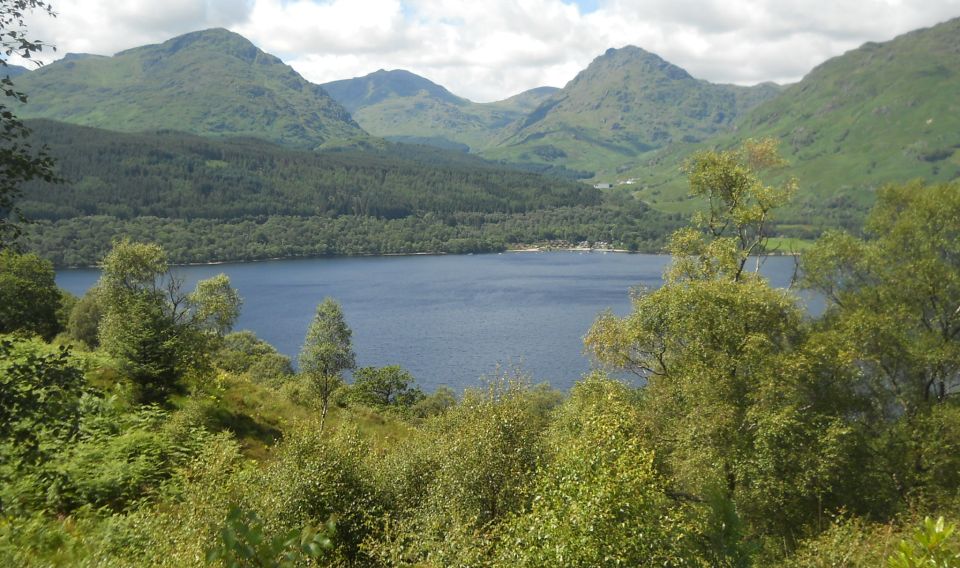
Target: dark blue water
[449, 320]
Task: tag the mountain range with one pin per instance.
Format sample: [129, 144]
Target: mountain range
[884, 112]
[626, 104]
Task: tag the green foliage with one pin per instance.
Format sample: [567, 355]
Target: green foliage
[740, 206]
[850, 542]
[385, 387]
[933, 544]
[158, 333]
[83, 323]
[435, 403]
[39, 417]
[83, 241]
[243, 543]
[121, 458]
[448, 489]
[243, 352]
[169, 174]
[67, 447]
[29, 297]
[896, 293]
[316, 475]
[19, 161]
[327, 352]
[598, 501]
[215, 305]
[262, 201]
[753, 413]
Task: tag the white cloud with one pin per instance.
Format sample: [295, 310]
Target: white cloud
[496, 48]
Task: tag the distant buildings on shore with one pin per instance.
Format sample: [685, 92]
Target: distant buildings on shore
[630, 181]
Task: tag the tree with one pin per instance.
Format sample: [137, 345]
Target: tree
[734, 400]
[156, 331]
[894, 308]
[243, 352]
[19, 161]
[29, 297]
[40, 391]
[896, 295]
[385, 387]
[327, 352]
[597, 500]
[83, 322]
[740, 206]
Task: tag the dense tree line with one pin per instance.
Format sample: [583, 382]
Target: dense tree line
[214, 200]
[175, 175]
[84, 241]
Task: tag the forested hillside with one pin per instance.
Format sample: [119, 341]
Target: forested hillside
[206, 198]
[171, 174]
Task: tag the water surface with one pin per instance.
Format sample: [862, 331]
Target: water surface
[449, 320]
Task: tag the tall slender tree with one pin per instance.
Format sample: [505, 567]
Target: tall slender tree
[327, 352]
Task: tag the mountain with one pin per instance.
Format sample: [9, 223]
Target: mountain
[881, 113]
[626, 104]
[401, 106]
[355, 94]
[13, 71]
[212, 83]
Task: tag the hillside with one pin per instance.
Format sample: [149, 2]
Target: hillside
[13, 70]
[625, 105]
[171, 174]
[241, 199]
[404, 107]
[212, 83]
[881, 113]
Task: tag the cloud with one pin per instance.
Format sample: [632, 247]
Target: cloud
[493, 49]
[107, 26]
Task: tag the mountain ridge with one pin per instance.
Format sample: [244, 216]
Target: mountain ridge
[885, 112]
[210, 82]
[628, 102]
[402, 106]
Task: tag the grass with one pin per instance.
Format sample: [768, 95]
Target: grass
[788, 245]
[258, 414]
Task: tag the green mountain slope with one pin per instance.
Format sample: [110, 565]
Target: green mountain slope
[625, 105]
[172, 174]
[882, 113]
[401, 106]
[12, 71]
[212, 83]
[207, 199]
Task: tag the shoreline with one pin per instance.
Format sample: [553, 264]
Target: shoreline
[525, 249]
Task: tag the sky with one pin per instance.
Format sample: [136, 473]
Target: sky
[488, 50]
